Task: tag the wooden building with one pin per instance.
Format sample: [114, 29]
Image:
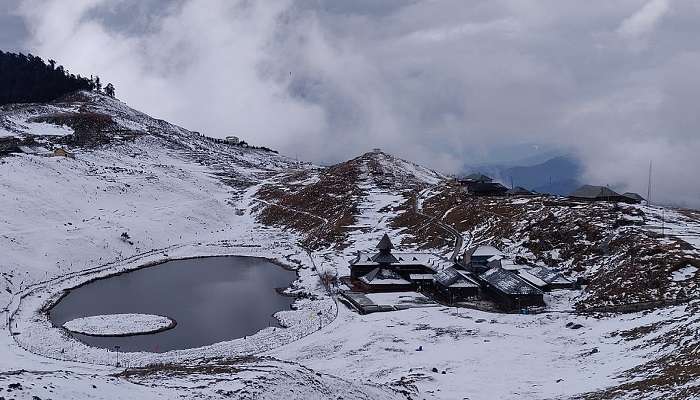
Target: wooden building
[477, 258]
[509, 291]
[386, 267]
[384, 280]
[454, 285]
[476, 177]
[61, 152]
[481, 185]
[598, 193]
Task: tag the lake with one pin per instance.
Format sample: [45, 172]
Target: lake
[213, 299]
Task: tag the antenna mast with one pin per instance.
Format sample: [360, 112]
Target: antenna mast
[649, 186]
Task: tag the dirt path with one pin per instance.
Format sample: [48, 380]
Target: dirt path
[459, 240]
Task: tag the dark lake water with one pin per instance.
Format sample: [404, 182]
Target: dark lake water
[212, 299]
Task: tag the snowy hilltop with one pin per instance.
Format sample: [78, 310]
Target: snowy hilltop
[92, 188]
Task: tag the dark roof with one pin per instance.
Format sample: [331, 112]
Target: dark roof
[450, 276]
[594, 192]
[477, 177]
[384, 258]
[385, 243]
[519, 190]
[508, 283]
[633, 196]
[485, 187]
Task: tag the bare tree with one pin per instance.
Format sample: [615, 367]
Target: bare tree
[329, 279]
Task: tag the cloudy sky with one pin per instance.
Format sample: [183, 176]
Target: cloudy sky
[443, 83]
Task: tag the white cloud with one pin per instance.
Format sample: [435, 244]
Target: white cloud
[434, 81]
[643, 21]
[199, 65]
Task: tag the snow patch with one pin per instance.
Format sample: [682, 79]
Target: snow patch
[46, 129]
[684, 274]
[120, 324]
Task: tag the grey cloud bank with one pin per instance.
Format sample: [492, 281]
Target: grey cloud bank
[443, 83]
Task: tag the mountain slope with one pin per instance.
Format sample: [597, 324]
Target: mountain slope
[332, 199]
[130, 164]
[178, 194]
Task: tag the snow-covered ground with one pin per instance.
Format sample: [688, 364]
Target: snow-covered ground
[176, 195]
[119, 324]
[483, 355]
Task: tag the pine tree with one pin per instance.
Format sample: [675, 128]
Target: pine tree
[27, 78]
[109, 90]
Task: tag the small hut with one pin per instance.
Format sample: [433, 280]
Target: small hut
[634, 198]
[481, 255]
[597, 193]
[61, 152]
[477, 177]
[481, 185]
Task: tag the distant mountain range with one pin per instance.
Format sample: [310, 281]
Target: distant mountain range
[559, 175]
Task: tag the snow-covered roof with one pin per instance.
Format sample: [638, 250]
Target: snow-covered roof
[548, 275]
[452, 277]
[383, 276]
[421, 277]
[511, 265]
[27, 149]
[532, 279]
[508, 282]
[483, 251]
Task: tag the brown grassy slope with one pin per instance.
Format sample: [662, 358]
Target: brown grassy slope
[420, 230]
[335, 196]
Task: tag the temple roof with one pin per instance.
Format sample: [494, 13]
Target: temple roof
[385, 243]
[384, 258]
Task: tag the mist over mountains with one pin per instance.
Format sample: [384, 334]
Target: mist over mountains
[440, 83]
[559, 175]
